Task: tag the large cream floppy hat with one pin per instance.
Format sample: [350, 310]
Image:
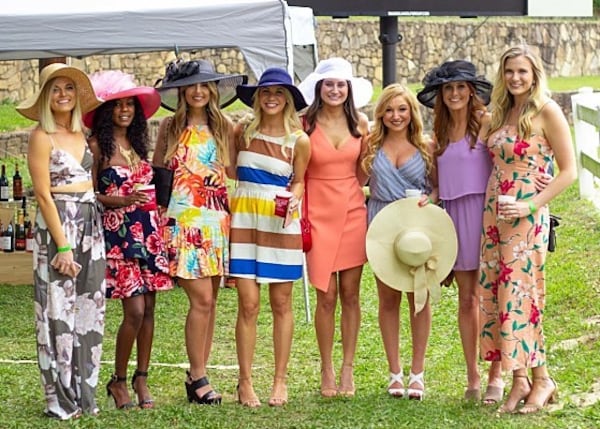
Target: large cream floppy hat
[412, 248]
[337, 68]
[85, 92]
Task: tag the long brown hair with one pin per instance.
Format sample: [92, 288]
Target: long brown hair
[442, 119]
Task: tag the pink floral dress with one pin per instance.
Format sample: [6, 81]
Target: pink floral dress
[136, 260]
[513, 254]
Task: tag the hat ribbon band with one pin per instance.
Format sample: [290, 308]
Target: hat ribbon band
[424, 278]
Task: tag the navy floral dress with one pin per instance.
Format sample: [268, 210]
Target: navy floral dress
[136, 261]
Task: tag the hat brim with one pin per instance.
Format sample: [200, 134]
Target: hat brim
[427, 95]
[85, 92]
[226, 84]
[362, 89]
[403, 215]
[246, 94]
[149, 99]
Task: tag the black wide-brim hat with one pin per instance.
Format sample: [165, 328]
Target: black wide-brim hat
[185, 73]
[271, 77]
[453, 71]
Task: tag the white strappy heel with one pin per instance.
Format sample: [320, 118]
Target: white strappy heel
[416, 394]
[397, 392]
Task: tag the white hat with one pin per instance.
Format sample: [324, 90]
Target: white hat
[412, 248]
[337, 68]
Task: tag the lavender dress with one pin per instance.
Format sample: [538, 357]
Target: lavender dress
[463, 176]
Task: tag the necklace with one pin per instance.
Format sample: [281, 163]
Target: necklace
[130, 155]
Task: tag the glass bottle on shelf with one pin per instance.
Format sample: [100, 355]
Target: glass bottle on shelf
[4, 189]
[17, 185]
[20, 229]
[28, 228]
[9, 238]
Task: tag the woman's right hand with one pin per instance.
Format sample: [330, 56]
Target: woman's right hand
[136, 197]
[64, 263]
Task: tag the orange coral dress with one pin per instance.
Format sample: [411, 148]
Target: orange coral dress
[513, 288]
[336, 208]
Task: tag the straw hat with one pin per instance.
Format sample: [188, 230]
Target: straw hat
[271, 77]
[337, 68]
[87, 99]
[412, 248]
[114, 84]
[184, 73]
[453, 71]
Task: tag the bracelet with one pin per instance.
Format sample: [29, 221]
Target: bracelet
[430, 200]
[532, 207]
[64, 249]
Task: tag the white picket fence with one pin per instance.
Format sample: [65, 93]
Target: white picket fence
[586, 122]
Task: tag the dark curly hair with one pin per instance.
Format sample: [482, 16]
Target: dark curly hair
[137, 131]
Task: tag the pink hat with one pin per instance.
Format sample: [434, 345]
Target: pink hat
[113, 85]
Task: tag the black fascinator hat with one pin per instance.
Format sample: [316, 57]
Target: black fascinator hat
[184, 73]
[453, 71]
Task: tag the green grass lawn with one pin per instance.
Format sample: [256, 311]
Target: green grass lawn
[573, 291]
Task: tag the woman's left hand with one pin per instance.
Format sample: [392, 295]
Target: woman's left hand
[516, 210]
[293, 204]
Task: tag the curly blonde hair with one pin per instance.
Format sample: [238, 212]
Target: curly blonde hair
[217, 122]
[503, 100]
[379, 130]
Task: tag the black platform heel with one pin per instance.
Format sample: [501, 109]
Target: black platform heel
[145, 403]
[114, 380]
[209, 398]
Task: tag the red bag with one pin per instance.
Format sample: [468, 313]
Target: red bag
[305, 224]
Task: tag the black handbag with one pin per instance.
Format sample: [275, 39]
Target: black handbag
[554, 223]
[163, 181]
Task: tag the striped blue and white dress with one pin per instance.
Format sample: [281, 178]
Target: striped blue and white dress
[388, 183]
[261, 248]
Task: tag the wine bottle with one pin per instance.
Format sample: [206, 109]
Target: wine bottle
[20, 230]
[9, 241]
[4, 189]
[17, 185]
[28, 227]
[2, 246]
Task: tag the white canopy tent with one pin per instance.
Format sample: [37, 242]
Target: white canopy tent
[261, 29]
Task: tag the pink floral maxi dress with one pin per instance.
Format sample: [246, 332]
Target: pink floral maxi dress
[513, 254]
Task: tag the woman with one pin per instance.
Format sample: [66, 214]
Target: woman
[526, 131]
[398, 159]
[337, 211]
[136, 258]
[272, 152]
[458, 98]
[68, 255]
[194, 143]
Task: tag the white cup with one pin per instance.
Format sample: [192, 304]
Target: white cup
[504, 199]
[412, 193]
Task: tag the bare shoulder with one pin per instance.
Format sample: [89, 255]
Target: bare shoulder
[39, 140]
[363, 123]
[551, 110]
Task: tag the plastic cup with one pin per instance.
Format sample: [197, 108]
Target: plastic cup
[413, 193]
[150, 191]
[502, 200]
[282, 201]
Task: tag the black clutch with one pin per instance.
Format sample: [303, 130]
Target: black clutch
[163, 181]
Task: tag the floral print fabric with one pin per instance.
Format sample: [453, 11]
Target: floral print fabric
[135, 251]
[198, 216]
[69, 312]
[513, 254]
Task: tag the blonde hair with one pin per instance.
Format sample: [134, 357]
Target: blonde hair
[47, 120]
[379, 130]
[503, 100]
[217, 122]
[291, 122]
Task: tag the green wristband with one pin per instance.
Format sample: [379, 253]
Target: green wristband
[64, 249]
[532, 207]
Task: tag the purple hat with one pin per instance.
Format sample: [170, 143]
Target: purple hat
[271, 77]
